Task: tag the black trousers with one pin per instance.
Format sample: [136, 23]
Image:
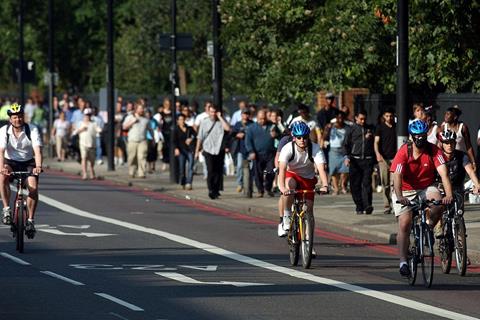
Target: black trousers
[361, 182]
[215, 165]
[264, 162]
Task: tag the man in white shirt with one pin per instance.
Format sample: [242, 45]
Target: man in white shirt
[297, 162]
[20, 150]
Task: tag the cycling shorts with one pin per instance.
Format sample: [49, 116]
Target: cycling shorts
[21, 165]
[303, 183]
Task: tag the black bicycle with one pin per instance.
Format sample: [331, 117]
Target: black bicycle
[420, 249]
[454, 236]
[20, 209]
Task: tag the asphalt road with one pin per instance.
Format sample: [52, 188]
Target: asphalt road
[109, 252]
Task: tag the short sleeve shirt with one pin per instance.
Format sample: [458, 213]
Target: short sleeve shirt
[417, 174]
[300, 164]
[21, 148]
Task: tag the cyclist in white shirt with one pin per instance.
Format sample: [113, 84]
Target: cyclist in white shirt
[20, 150]
[298, 160]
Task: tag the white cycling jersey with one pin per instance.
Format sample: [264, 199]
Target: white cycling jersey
[300, 164]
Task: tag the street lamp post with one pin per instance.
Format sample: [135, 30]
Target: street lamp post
[110, 86]
[402, 72]
[175, 93]
[21, 62]
[51, 83]
[217, 57]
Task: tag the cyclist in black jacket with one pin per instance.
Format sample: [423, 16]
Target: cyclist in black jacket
[360, 158]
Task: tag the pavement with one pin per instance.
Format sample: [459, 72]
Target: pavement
[333, 213]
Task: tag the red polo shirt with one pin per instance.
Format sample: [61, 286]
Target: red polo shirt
[417, 174]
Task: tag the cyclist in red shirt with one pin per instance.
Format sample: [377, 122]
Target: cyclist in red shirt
[413, 171]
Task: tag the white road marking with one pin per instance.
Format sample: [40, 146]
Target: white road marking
[56, 275]
[202, 268]
[184, 279]
[81, 234]
[14, 259]
[407, 303]
[82, 226]
[119, 301]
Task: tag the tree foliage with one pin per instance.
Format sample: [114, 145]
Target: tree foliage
[275, 50]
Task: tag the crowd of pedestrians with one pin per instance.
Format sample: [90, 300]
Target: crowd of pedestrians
[252, 136]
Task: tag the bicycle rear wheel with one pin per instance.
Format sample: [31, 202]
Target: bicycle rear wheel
[445, 248]
[20, 227]
[307, 240]
[427, 257]
[294, 241]
[412, 259]
[460, 240]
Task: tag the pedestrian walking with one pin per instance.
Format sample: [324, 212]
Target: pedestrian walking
[137, 126]
[184, 144]
[238, 149]
[87, 131]
[153, 137]
[385, 145]
[97, 118]
[210, 139]
[360, 160]
[260, 144]
[60, 134]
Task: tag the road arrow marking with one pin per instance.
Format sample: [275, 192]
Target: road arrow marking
[184, 279]
[83, 234]
[82, 226]
[201, 268]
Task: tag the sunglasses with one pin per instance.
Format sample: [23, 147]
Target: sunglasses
[305, 137]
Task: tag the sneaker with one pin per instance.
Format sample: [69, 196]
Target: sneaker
[281, 232]
[188, 186]
[314, 253]
[7, 216]
[239, 189]
[404, 270]
[358, 212]
[30, 229]
[286, 223]
[99, 162]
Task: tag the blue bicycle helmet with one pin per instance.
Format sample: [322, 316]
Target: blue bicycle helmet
[299, 129]
[417, 126]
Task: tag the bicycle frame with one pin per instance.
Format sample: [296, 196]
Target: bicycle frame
[20, 209]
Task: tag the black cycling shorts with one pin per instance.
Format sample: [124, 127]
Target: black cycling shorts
[21, 165]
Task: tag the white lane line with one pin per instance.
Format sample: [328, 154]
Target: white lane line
[56, 275]
[407, 303]
[15, 259]
[119, 301]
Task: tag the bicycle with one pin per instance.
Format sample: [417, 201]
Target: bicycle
[420, 249]
[302, 225]
[454, 236]
[20, 210]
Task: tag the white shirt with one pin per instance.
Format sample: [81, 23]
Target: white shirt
[61, 127]
[87, 138]
[311, 123]
[300, 164]
[200, 118]
[20, 149]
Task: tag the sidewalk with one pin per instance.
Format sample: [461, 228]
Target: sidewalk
[334, 212]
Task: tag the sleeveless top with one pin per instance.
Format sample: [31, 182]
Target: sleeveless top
[460, 145]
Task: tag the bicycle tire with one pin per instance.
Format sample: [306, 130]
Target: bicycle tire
[460, 240]
[445, 248]
[294, 241]
[307, 240]
[20, 227]
[428, 256]
[412, 259]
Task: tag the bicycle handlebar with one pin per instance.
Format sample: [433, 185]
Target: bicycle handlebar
[418, 203]
[304, 191]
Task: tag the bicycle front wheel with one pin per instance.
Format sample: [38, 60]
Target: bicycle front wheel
[412, 257]
[20, 227]
[460, 239]
[427, 256]
[294, 241]
[307, 240]
[445, 248]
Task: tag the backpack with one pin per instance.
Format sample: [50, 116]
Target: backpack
[309, 150]
[26, 128]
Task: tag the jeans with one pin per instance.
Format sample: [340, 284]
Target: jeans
[98, 151]
[361, 182]
[239, 165]
[185, 167]
[215, 171]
